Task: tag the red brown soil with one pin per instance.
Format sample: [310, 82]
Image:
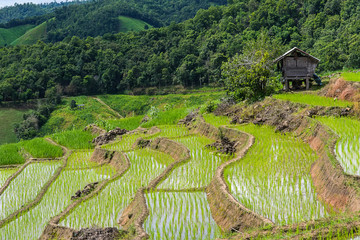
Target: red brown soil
[341, 89]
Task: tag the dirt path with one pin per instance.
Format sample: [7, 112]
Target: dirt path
[108, 107]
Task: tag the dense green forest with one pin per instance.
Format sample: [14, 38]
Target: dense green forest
[96, 18]
[188, 54]
[27, 10]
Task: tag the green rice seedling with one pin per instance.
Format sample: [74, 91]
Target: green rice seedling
[40, 148]
[5, 173]
[169, 117]
[347, 148]
[80, 159]
[351, 76]
[9, 154]
[129, 123]
[273, 178]
[105, 209]
[171, 131]
[125, 144]
[180, 215]
[199, 170]
[57, 198]
[74, 139]
[216, 121]
[26, 186]
[313, 100]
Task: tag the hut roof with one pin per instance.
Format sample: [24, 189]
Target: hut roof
[298, 50]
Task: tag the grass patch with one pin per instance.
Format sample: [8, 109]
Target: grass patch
[351, 76]
[313, 100]
[40, 148]
[65, 118]
[9, 154]
[132, 24]
[31, 36]
[169, 117]
[8, 35]
[139, 105]
[8, 117]
[216, 121]
[74, 139]
[129, 123]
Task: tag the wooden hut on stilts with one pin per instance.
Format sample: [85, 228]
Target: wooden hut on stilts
[297, 67]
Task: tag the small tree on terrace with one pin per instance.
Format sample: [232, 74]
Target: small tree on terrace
[249, 76]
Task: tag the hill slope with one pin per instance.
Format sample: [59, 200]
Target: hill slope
[7, 36]
[32, 36]
[188, 54]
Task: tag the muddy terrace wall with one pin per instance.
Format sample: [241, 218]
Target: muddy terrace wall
[334, 187]
[136, 213]
[54, 231]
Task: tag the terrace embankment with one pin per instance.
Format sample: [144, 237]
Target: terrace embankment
[54, 230]
[341, 89]
[137, 212]
[334, 187]
[227, 212]
[337, 189]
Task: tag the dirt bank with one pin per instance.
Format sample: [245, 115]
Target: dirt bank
[341, 89]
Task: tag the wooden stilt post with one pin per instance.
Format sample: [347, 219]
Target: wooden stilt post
[286, 85]
[307, 83]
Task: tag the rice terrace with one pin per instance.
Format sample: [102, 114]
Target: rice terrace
[180, 120]
[285, 167]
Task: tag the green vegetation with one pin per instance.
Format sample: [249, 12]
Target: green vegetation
[249, 76]
[132, 24]
[217, 121]
[9, 154]
[348, 146]
[168, 117]
[7, 36]
[74, 139]
[99, 211]
[351, 76]
[313, 100]
[32, 35]
[192, 174]
[129, 123]
[188, 214]
[188, 54]
[65, 118]
[5, 173]
[80, 159]
[26, 186]
[40, 148]
[127, 104]
[56, 199]
[273, 178]
[8, 117]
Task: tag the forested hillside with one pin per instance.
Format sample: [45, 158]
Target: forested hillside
[188, 54]
[26, 10]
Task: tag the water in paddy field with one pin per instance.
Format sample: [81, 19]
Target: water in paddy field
[347, 148]
[273, 178]
[199, 170]
[31, 225]
[105, 209]
[180, 215]
[26, 186]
